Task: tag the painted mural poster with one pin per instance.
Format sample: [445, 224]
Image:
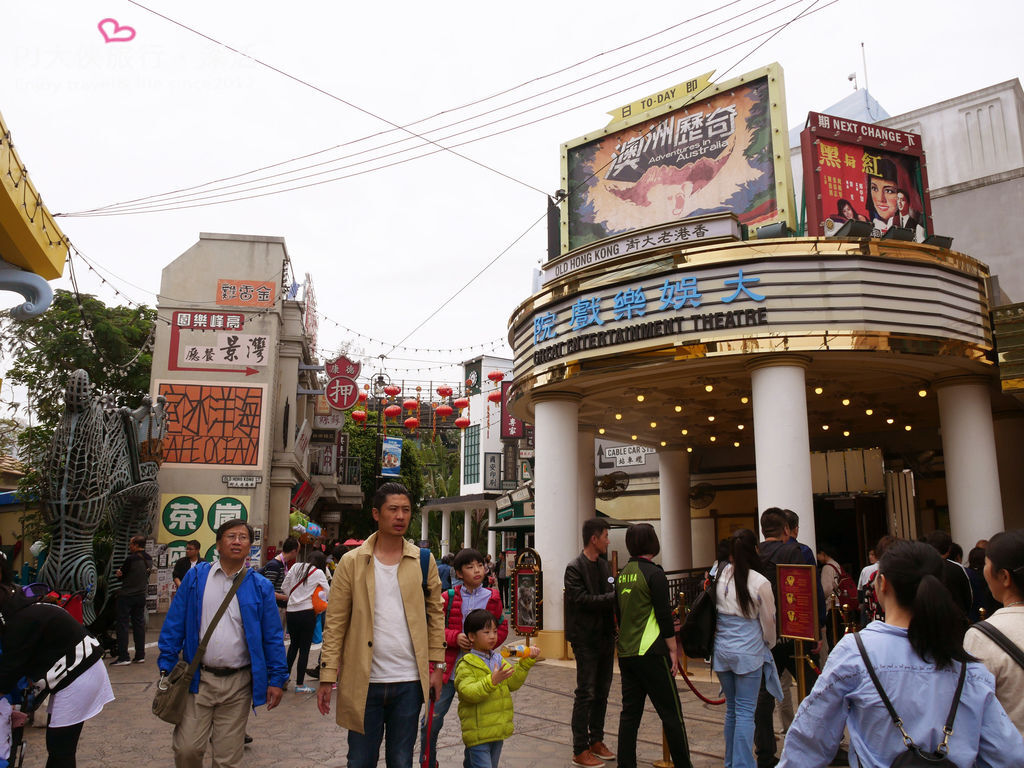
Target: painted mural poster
[391, 457]
[187, 516]
[856, 171]
[710, 156]
[213, 424]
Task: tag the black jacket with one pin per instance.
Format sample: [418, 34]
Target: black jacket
[43, 642]
[589, 602]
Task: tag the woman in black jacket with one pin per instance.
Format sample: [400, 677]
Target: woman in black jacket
[44, 643]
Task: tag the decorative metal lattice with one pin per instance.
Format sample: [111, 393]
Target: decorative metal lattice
[102, 462]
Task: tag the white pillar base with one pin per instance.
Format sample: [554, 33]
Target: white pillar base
[674, 498]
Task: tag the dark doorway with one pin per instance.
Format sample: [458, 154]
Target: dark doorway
[849, 527]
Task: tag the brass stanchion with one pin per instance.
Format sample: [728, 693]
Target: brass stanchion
[801, 674]
[666, 758]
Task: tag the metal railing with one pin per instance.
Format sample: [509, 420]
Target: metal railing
[684, 585]
[347, 469]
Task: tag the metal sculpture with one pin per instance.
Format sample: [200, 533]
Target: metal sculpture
[102, 464]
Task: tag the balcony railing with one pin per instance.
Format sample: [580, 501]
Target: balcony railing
[322, 462]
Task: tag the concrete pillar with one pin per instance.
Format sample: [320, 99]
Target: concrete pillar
[674, 498]
[492, 535]
[782, 447]
[467, 528]
[585, 477]
[446, 531]
[424, 525]
[969, 453]
[1009, 431]
[556, 492]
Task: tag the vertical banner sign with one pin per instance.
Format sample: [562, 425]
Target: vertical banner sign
[391, 457]
[798, 602]
[528, 594]
[473, 372]
[857, 171]
[511, 427]
[492, 471]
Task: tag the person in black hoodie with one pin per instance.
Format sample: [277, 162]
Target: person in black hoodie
[131, 601]
[44, 643]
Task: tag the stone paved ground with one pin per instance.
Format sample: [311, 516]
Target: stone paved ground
[295, 735]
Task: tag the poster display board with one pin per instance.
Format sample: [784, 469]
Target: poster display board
[798, 602]
[528, 594]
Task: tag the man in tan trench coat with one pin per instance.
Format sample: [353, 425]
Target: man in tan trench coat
[383, 638]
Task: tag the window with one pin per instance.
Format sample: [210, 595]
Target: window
[471, 456]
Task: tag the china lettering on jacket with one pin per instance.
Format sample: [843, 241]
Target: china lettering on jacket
[60, 669]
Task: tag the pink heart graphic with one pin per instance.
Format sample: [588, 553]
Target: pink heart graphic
[117, 34]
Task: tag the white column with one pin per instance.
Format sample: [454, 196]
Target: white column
[492, 535]
[467, 529]
[424, 525]
[585, 474]
[674, 500]
[969, 453]
[556, 493]
[446, 531]
[782, 447]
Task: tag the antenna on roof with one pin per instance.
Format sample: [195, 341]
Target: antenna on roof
[864, 59]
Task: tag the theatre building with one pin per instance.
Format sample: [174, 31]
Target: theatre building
[849, 373]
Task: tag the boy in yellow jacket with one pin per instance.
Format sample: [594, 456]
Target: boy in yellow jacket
[485, 681]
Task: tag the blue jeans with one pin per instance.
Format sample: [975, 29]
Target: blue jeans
[740, 701]
[391, 708]
[441, 707]
[483, 755]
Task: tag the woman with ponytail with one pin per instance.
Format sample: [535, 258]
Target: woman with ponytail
[917, 655]
[744, 636]
[1004, 572]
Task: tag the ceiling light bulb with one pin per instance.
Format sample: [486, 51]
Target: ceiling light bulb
[618, 417]
[601, 431]
[654, 424]
[736, 444]
[689, 449]
[846, 433]
[632, 437]
[868, 411]
[818, 390]
[709, 387]
[890, 420]
[684, 431]
[744, 399]
[739, 426]
[711, 418]
[663, 443]
[846, 401]
[825, 427]
[639, 398]
[908, 427]
[679, 409]
[922, 393]
[713, 438]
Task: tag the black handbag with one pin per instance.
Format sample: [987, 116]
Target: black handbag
[914, 756]
[697, 635]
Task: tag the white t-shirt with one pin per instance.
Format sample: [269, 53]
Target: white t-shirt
[393, 658]
[865, 574]
[300, 593]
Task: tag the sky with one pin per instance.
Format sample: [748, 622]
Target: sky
[388, 240]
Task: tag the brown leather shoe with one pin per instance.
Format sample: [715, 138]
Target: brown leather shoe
[586, 759]
[598, 749]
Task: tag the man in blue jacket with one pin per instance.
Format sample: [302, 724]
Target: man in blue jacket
[244, 665]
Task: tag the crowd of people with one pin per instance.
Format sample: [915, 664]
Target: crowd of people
[395, 638]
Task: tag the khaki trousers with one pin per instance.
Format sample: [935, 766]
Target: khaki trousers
[216, 715]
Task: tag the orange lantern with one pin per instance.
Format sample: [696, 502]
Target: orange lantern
[461, 402]
[359, 417]
[495, 376]
[444, 391]
[392, 390]
[362, 397]
[392, 411]
[411, 423]
[494, 397]
[462, 422]
[411, 405]
[444, 410]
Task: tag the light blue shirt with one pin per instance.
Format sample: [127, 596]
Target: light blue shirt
[844, 695]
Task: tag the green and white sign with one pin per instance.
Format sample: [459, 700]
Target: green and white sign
[183, 516]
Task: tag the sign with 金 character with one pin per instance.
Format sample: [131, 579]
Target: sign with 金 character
[246, 293]
[798, 602]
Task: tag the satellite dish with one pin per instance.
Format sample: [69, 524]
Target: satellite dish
[612, 485]
[701, 495]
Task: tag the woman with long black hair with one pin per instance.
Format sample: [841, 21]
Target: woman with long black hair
[299, 585]
[744, 636]
[919, 659]
[1004, 572]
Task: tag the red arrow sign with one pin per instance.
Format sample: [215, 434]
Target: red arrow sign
[248, 371]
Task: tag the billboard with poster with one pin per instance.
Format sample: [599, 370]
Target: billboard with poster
[702, 150]
[863, 172]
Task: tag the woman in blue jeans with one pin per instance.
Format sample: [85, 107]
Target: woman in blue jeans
[744, 636]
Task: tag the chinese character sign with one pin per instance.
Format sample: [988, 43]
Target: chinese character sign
[246, 293]
[711, 156]
[510, 425]
[189, 516]
[211, 424]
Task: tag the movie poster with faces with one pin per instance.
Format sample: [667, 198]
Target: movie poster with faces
[863, 172]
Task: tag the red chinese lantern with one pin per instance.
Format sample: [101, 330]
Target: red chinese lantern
[495, 376]
[444, 391]
[461, 402]
[411, 423]
[462, 422]
[359, 417]
[392, 390]
[494, 397]
[411, 405]
[392, 411]
[362, 397]
[444, 410]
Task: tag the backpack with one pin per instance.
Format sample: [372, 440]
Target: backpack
[697, 634]
[846, 590]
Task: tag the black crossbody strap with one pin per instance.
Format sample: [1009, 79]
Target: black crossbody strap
[236, 583]
[997, 637]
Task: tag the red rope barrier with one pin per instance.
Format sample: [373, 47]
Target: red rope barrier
[698, 694]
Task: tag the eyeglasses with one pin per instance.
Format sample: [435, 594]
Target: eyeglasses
[236, 536]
